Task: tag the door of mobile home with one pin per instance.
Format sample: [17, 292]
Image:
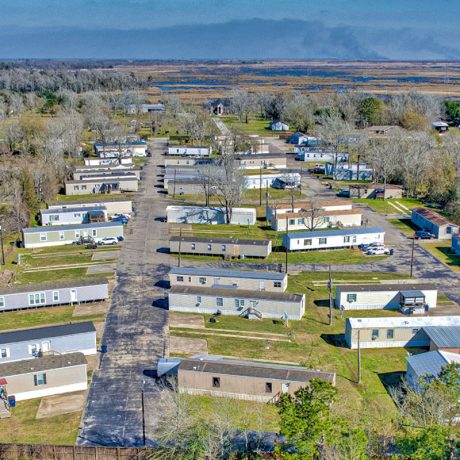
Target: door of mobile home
[73, 295]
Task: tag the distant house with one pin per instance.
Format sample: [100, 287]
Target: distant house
[349, 172]
[312, 154]
[232, 279]
[30, 343]
[387, 332]
[146, 108]
[59, 235]
[381, 131]
[405, 296]
[220, 106]
[123, 149]
[246, 380]
[102, 185]
[256, 181]
[77, 215]
[434, 223]
[298, 138]
[428, 366]
[112, 205]
[104, 171]
[189, 150]
[278, 125]
[209, 215]
[375, 191]
[237, 302]
[440, 126]
[93, 161]
[456, 244]
[332, 239]
[225, 247]
[264, 161]
[51, 294]
[46, 376]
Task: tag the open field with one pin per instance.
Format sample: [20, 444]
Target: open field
[442, 251]
[385, 207]
[255, 125]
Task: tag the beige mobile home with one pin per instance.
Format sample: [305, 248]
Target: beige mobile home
[232, 279]
[101, 186]
[111, 204]
[250, 304]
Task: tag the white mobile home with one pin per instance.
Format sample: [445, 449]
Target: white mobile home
[59, 235]
[268, 180]
[404, 296]
[105, 185]
[209, 215]
[316, 155]
[96, 161]
[77, 215]
[189, 150]
[127, 149]
[388, 332]
[231, 279]
[52, 294]
[112, 207]
[333, 239]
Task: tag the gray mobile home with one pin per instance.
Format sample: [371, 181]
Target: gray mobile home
[66, 338]
[23, 296]
[232, 279]
[46, 376]
[225, 247]
[82, 172]
[250, 304]
[404, 296]
[59, 235]
[96, 186]
[69, 216]
[434, 223]
[112, 206]
[209, 215]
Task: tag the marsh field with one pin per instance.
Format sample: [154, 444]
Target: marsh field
[199, 80]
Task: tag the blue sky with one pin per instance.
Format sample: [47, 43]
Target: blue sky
[348, 29]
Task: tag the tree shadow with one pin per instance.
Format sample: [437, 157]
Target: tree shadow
[163, 284]
[336, 340]
[391, 380]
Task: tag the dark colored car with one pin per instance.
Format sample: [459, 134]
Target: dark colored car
[422, 235]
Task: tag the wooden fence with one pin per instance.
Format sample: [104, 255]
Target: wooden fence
[45, 452]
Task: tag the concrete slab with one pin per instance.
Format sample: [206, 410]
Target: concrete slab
[52, 406]
[99, 325]
[93, 361]
[102, 268]
[99, 308]
[186, 321]
[187, 345]
[106, 255]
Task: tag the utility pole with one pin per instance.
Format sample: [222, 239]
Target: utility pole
[174, 185]
[359, 356]
[180, 247]
[329, 286]
[260, 186]
[143, 413]
[266, 205]
[412, 257]
[287, 242]
[300, 183]
[1, 244]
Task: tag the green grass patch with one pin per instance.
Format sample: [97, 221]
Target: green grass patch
[255, 125]
[384, 206]
[443, 252]
[405, 226]
[89, 198]
[56, 275]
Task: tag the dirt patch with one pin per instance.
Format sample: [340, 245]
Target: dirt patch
[5, 277]
[99, 308]
[186, 321]
[61, 404]
[99, 325]
[93, 361]
[101, 268]
[105, 255]
[186, 345]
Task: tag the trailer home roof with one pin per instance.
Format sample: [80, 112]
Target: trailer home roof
[344, 232]
[20, 288]
[403, 321]
[238, 293]
[320, 213]
[38, 333]
[57, 228]
[309, 204]
[76, 209]
[192, 239]
[253, 369]
[432, 216]
[444, 336]
[263, 275]
[45, 363]
[404, 286]
[431, 362]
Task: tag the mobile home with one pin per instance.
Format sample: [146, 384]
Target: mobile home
[127, 149]
[96, 161]
[77, 215]
[189, 150]
[101, 186]
[51, 294]
[59, 235]
[112, 206]
[232, 279]
[333, 239]
[434, 223]
[209, 215]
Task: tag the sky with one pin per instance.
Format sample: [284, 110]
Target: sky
[230, 29]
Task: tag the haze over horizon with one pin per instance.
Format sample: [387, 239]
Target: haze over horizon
[211, 29]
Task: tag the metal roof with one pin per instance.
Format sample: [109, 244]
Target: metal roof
[115, 178]
[207, 208]
[106, 199]
[432, 216]
[122, 144]
[403, 286]
[252, 369]
[444, 336]
[82, 282]
[324, 233]
[403, 321]
[199, 271]
[193, 239]
[40, 333]
[412, 293]
[45, 363]
[236, 293]
[431, 363]
[57, 228]
[70, 210]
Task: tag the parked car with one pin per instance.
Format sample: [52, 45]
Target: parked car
[365, 247]
[91, 246]
[422, 235]
[121, 220]
[378, 251]
[344, 193]
[107, 241]
[121, 214]
[84, 240]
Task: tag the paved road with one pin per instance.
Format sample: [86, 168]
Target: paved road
[136, 328]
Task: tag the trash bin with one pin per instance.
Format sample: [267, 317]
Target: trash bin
[103, 348]
[12, 401]
[392, 251]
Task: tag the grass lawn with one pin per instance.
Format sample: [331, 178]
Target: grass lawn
[233, 231]
[56, 275]
[255, 125]
[23, 428]
[317, 345]
[405, 226]
[443, 252]
[41, 317]
[89, 198]
[384, 206]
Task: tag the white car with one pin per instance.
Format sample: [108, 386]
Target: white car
[377, 251]
[107, 241]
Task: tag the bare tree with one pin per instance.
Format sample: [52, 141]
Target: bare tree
[241, 102]
[299, 112]
[313, 217]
